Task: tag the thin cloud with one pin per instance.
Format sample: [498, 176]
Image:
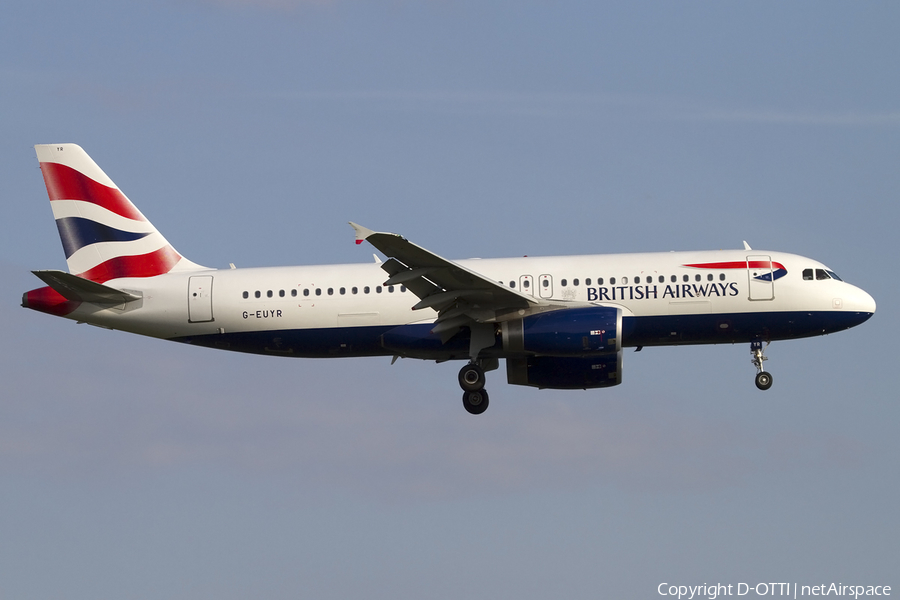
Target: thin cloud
[276, 5]
[847, 119]
[537, 104]
[574, 104]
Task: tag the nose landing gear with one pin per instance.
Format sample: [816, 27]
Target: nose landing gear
[763, 378]
[471, 380]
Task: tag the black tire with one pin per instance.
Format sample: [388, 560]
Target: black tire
[763, 380]
[471, 378]
[476, 402]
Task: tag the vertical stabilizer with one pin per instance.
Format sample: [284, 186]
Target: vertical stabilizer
[103, 234]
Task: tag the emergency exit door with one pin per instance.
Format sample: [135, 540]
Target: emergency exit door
[200, 299]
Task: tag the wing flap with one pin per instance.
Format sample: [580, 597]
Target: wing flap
[408, 275]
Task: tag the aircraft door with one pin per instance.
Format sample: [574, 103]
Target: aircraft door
[759, 274]
[546, 286]
[526, 284]
[200, 299]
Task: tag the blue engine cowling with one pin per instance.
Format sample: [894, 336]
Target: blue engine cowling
[565, 373]
[588, 331]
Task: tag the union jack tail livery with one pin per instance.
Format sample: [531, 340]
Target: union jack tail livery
[103, 234]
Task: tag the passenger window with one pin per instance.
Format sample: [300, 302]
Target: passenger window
[575, 282]
[563, 282]
[343, 291]
[709, 277]
[366, 290]
[306, 292]
[512, 284]
[294, 292]
[281, 293]
[697, 277]
[612, 281]
[686, 278]
[599, 281]
[721, 276]
[674, 278]
[402, 288]
[331, 291]
[662, 278]
[807, 274]
[318, 291]
[624, 280]
[526, 284]
[390, 289]
[649, 279]
[246, 295]
[546, 283]
[354, 290]
[269, 294]
[587, 281]
[378, 289]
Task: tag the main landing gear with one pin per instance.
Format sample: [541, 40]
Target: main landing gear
[763, 378]
[471, 380]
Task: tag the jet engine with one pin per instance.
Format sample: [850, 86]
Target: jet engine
[576, 348]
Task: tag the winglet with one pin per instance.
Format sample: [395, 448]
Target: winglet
[361, 232]
[747, 246]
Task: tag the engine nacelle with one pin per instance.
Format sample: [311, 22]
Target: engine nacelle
[589, 331]
[565, 373]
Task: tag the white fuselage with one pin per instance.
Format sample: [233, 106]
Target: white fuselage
[335, 297]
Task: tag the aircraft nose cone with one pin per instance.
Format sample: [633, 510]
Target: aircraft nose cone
[861, 303]
[868, 303]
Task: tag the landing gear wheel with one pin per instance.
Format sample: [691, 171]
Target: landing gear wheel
[475, 402]
[763, 380]
[471, 378]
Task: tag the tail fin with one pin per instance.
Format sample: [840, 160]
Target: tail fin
[103, 234]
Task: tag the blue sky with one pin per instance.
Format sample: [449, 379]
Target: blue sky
[252, 131]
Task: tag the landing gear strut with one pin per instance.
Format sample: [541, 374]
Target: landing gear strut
[471, 380]
[763, 378]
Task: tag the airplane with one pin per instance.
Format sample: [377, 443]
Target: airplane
[559, 322]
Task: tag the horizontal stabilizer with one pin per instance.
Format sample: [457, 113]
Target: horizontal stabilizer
[72, 287]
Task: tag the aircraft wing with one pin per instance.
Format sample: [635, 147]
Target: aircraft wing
[460, 295]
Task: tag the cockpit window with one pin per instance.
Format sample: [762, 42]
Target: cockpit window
[820, 274]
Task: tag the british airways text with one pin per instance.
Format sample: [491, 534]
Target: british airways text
[647, 292]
